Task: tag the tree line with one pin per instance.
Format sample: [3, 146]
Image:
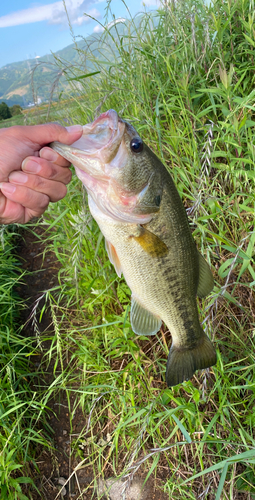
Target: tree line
[6, 112]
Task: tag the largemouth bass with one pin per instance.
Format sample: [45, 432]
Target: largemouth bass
[134, 200]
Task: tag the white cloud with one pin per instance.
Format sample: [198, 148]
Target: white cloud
[98, 29]
[116, 21]
[54, 13]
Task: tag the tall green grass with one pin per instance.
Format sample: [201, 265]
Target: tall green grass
[20, 410]
[184, 77]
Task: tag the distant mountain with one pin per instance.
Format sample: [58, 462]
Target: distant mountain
[34, 80]
[31, 81]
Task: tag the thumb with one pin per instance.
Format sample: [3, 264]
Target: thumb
[71, 134]
[49, 132]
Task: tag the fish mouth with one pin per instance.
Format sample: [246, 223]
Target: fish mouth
[97, 146]
[92, 156]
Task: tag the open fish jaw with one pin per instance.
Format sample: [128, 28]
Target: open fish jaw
[98, 145]
[101, 138]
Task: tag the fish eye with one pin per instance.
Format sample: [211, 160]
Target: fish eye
[157, 200]
[136, 145]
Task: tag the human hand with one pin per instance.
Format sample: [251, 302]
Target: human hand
[32, 175]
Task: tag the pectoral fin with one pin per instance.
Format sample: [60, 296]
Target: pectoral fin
[150, 242]
[142, 321]
[206, 282]
[113, 257]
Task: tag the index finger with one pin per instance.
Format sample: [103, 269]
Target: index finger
[48, 132]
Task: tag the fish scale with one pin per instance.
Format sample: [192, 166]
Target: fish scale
[135, 202]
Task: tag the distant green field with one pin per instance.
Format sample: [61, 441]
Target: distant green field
[186, 82]
[45, 113]
[14, 120]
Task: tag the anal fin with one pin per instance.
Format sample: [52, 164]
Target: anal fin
[113, 257]
[143, 322]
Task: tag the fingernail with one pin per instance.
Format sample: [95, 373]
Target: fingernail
[31, 166]
[18, 177]
[8, 188]
[74, 128]
[48, 154]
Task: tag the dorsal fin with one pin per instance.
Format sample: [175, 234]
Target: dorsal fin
[206, 282]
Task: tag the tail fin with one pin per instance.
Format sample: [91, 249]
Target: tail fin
[183, 362]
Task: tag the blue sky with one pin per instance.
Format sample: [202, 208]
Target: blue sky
[29, 28]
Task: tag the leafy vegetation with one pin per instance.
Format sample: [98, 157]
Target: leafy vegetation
[4, 111]
[184, 77]
[19, 407]
[16, 110]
